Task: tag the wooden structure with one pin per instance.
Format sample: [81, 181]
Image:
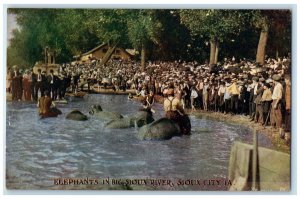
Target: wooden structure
[49, 62]
[253, 168]
[46, 67]
[104, 51]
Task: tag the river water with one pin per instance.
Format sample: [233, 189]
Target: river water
[38, 151]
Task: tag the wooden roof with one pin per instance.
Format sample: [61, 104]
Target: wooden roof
[94, 49]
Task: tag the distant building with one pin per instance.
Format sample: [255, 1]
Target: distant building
[100, 51]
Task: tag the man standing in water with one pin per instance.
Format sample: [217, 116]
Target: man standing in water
[44, 105]
[150, 99]
[175, 112]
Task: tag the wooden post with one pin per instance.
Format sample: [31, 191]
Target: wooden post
[254, 162]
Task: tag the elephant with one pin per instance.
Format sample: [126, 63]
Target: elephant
[138, 119]
[97, 111]
[55, 110]
[161, 129]
[119, 123]
[141, 118]
[76, 115]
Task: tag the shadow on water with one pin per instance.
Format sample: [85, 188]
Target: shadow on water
[39, 150]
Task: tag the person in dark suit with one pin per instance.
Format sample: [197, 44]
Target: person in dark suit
[257, 101]
[53, 85]
[63, 82]
[45, 82]
[16, 84]
[40, 84]
[33, 85]
[187, 98]
[243, 99]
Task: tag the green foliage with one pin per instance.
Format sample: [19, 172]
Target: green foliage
[213, 24]
[143, 27]
[108, 25]
[166, 34]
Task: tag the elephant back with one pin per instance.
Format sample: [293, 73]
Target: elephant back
[141, 118]
[119, 124]
[161, 129]
[76, 115]
[106, 115]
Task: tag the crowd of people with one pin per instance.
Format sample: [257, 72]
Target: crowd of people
[261, 92]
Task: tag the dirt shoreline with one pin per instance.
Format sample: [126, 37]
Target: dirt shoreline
[271, 132]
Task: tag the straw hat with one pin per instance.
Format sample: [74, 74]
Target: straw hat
[276, 77]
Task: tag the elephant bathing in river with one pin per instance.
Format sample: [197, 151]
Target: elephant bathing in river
[97, 111]
[76, 115]
[161, 129]
[164, 129]
[138, 119]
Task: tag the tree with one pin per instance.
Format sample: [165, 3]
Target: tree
[158, 34]
[143, 28]
[215, 25]
[277, 21]
[78, 37]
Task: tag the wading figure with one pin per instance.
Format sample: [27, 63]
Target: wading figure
[175, 112]
[45, 109]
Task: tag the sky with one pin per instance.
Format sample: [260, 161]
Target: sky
[11, 25]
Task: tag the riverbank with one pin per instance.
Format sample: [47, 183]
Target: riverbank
[274, 135]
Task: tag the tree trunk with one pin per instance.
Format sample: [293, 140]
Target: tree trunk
[143, 57]
[212, 52]
[261, 48]
[216, 52]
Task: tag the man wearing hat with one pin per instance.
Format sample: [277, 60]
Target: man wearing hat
[53, 87]
[252, 96]
[16, 84]
[234, 93]
[243, 98]
[205, 95]
[276, 104]
[221, 92]
[63, 84]
[175, 112]
[39, 85]
[266, 101]
[257, 101]
[27, 85]
[287, 78]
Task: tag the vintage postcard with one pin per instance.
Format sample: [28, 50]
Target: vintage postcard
[148, 99]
